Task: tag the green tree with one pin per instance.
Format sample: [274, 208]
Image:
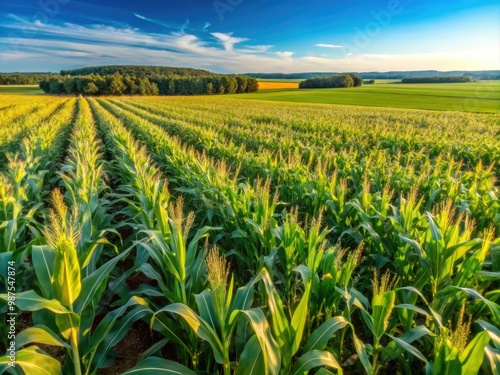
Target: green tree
[91, 88]
[230, 84]
[115, 85]
[252, 85]
[242, 84]
[70, 85]
[209, 88]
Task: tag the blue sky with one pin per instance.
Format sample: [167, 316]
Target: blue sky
[236, 36]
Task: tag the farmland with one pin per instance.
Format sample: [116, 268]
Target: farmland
[204, 235]
[483, 96]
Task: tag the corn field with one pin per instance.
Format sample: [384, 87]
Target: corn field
[247, 237]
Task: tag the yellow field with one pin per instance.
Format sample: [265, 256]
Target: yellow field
[265, 85]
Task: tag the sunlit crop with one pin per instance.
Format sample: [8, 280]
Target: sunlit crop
[249, 237]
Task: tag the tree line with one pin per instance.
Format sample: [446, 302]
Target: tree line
[437, 79]
[24, 78]
[475, 74]
[339, 80]
[117, 84]
[138, 71]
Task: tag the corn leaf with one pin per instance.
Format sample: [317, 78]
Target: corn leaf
[39, 334]
[473, 355]
[321, 335]
[43, 263]
[315, 358]
[155, 365]
[251, 361]
[34, 361]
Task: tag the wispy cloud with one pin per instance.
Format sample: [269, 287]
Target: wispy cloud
[328, 45]
[180, 27]
[228, 40]
[68, 45]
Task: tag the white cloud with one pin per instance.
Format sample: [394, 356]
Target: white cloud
[328, 45]
[228, 40]
[284, 54]
[54, 47]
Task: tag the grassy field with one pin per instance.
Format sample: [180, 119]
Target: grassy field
[20, 90]
[469, 97]
[481, 96]
[213, 235]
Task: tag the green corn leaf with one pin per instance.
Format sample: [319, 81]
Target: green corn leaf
[117, 332]
[393, 350]
[362, 354]
[437, 318]
[473, 355]
[382, 306]
[315, 358]
[251, 361]
[39, 334]
[104, 327]
[66, 282]
[244, 295]
[91, 283]
[280, 325]
[435, 231]
[193, 245]
[270, 349]
[407, 306]
[299, 317]
[161, 253]
[33, 361]
[321, 335]
[492, 355]
[406, 346]
[10, 235]
[494, 307]
[43, 263]
[68, 324]
[155, 365]
[30, 301]
[324, 371]
[199, 326]
[170, 329]
[204, 301]
[446, 361]
[5, 258]
[492, 330]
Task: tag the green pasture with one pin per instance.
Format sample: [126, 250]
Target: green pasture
[482, 96]
[20, 90]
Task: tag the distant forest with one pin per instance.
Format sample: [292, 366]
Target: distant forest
[437, 79]
[117, 84]
[139, 71]
[25, 78]
[336, 81]
[475, 75]
[134, 80]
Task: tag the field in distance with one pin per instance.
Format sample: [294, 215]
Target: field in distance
[279, 84]
[482, 96]
[263, 201]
